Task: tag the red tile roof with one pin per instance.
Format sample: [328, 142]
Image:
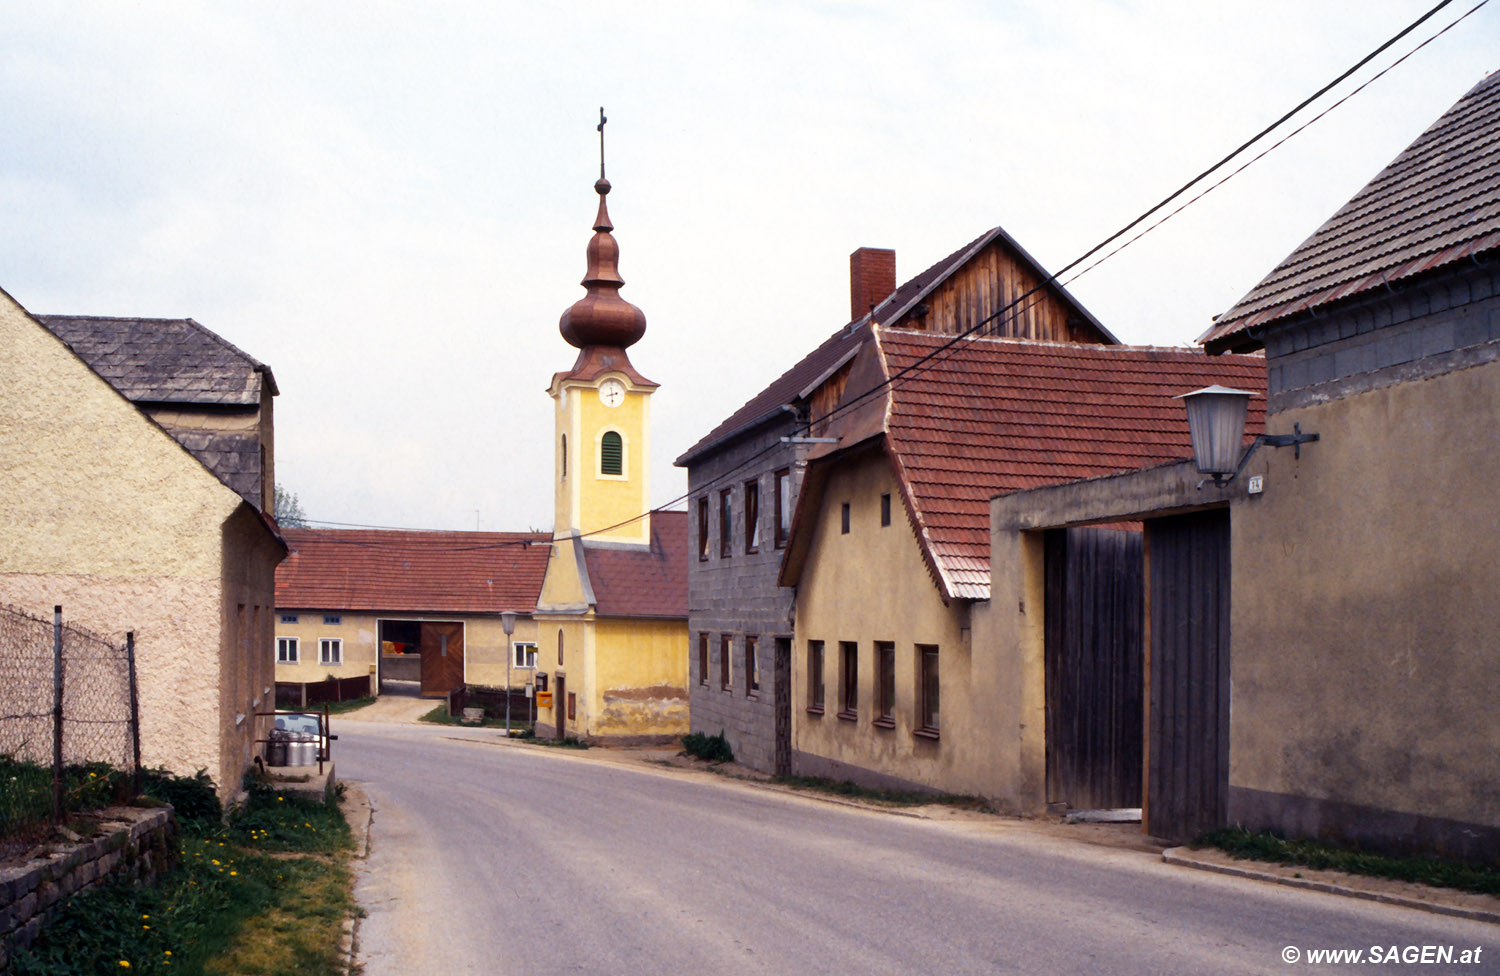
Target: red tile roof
[1436, 203]
[993, 416]
[636, 582]
[411, 572]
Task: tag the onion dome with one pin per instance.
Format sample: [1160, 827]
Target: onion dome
[602, 317]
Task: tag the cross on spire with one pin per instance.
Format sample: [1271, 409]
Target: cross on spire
[600, 127]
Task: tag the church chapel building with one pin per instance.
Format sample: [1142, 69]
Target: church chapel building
[612, 644]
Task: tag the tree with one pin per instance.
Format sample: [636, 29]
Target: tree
[289, 512]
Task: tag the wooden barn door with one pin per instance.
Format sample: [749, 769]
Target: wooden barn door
[1093, 670]
[442, 658]
[1189, 665]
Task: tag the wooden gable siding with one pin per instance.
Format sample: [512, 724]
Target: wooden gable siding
[990, 281]
[825, 399]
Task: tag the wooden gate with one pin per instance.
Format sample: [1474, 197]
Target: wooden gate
[1093, 670]
[783, 706]
[1189, 665]
[442, 647]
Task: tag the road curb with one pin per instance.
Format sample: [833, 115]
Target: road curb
[1184, 857]
[356, 802]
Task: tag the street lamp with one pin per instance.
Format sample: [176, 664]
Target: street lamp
[1216, 423]
[508, 624]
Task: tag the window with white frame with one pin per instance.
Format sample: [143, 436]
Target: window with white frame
[286, 650]
[525, 654]
[331, 650]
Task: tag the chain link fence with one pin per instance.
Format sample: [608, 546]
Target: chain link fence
[69, 734]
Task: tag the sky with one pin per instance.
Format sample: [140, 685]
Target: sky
[388, 203]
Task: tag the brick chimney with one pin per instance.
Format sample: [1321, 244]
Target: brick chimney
[872, 277]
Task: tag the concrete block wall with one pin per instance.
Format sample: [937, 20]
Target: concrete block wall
[738, 595]
[137, 845]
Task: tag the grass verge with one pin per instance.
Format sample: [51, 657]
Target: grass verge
[1266, 846]
[440, 716]
[352, 705]
[229, 907]
[895, 798]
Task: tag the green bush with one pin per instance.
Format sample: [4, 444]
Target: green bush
[193, 797]
[711, 748]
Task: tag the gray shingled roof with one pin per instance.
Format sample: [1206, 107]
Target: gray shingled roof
[1438, 202]
[163, 360]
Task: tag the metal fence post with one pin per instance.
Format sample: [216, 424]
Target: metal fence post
[135, 715]
[57, 714]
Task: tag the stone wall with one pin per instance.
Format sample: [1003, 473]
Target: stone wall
[136, 845]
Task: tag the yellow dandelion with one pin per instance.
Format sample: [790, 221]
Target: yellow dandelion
[124, 963]
[233, 873]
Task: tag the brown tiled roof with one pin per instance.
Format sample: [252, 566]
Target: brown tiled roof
[163, 360]
[993, 416]
[1436, 203]
[636, 582]
[398, 571]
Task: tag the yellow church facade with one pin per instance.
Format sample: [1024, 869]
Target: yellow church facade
[612, 642]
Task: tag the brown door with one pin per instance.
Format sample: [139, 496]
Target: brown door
[560, 707]
[442, 658]
[783, 678]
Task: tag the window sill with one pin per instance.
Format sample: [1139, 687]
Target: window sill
[884, 723]
[727, 688]
[751, 552]
[849, 716]
[930, 734]
[752, 696]
[815, 709]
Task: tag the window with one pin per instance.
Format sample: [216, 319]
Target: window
[524, 654]
[330, 651]
[703, 658]
[726, 646]
[611, 453]
[726, 523]
[572, 705]
[885, 509]
[885, 684]
[333, 620]
[559, 647]
[927, 690]
[564, 458]
[703, 529]
[844, 518]
[752, 668]
[783, 506]
[752, 516]
[289, 618]
[848, 679]
[815, 677]
[286, 650]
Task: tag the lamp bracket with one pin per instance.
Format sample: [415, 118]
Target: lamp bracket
[1294, 440]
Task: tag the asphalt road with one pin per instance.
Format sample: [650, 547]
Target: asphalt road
[491, 858]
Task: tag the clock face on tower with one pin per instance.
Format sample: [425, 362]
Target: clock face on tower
[611, 393]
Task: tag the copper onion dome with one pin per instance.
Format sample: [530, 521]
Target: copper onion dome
[602, 317]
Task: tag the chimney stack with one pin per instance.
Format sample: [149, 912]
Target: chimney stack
[872, 277]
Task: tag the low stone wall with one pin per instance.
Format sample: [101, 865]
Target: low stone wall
[136, 845]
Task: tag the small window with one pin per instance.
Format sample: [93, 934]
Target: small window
[572, 705]
[289, 618]
[815, 677]
[844, 518]
[848, 679]
[525, 654]
[331, 651]
[703, 658]
[927, 690]
[726, 523]
[333, 620]
[783, 506]
[752, 668]
[703, 529]
[752, 516]
[611, 453]
[885, 684]
[885, 509]
[287, 650]
[726, 647]
[564, 458]
[559, 647]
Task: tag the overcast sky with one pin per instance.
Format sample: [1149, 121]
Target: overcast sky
[389, 203]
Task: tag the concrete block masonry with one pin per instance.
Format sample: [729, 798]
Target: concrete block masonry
[136, 845]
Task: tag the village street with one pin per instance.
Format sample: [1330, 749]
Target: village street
[488, 857]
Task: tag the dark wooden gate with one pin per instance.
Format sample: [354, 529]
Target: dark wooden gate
[1189, 665]
[1094, 681]
[560, 708]
[783, 705]
[442, 658]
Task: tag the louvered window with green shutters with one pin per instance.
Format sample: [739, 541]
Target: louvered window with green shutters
[611, 454]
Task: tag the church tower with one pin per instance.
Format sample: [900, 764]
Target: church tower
[602, 406]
